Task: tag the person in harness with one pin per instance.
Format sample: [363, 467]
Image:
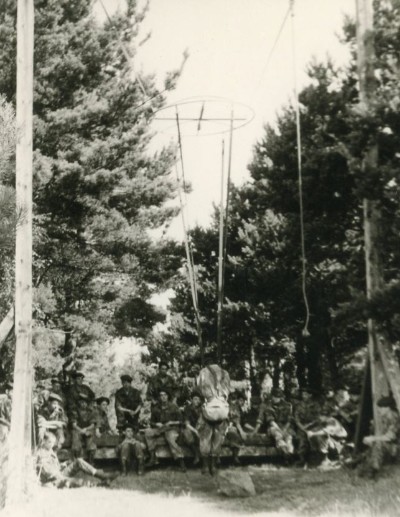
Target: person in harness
[214, 385]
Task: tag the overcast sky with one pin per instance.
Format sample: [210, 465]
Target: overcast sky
[229, 42]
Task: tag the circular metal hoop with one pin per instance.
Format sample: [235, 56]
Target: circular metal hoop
[198, 115]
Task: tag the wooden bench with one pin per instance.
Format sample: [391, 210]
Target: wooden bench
[255, 446]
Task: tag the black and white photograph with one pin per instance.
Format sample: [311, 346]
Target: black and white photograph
[199, 258]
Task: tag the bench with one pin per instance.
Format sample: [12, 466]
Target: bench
[255, 446]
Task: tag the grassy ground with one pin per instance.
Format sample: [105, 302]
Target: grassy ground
[280, 492]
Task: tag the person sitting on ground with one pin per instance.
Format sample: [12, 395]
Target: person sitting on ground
[161, 381]
[52, 418]
[214, 385]
[128, 403]
[103, 423]
[383, 447]
[166, 420]
[52, 472]
[236, 435]
[276, 417]
[5, 412]
[131, 449]
[76, 389]
[83, 426]
[189, 434]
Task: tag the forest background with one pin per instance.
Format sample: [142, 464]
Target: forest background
[99, 192]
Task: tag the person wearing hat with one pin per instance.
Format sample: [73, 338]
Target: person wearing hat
[162, 380]
[76, 389]
[131, 448]
[236, 435]
[385, 446]
[52, 472]
[83, 427]
[189, 433]
[57, 387]
[276, 418]
[128, 403]
[5, 413]
[166, 420]
[51, 418]
[103, 424]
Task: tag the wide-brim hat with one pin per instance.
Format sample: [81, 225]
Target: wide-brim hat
[126, 377]
[99, 400]
[54, 396]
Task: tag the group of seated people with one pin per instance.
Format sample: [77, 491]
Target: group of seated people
[297, 428]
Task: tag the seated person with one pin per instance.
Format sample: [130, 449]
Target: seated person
[83, 427]
[51, 471]
[103, 424]
[128, 403]
[5, 413]
[131, 448]
[236, 435]
[275, 416]
[166, 420]
[189, 433]
[52, 418]
[76, 389]
[161, 381]
[383, 447]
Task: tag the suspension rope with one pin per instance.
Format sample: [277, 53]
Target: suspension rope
[305, 331]
[220, 260]
[188, 246]
[271, 52]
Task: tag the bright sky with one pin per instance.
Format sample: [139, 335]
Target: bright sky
[229, 42]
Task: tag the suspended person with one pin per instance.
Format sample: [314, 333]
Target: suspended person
[52, 472]
[83, 428]
[128, 403]
[190, 434]
[162, 380]
[166, 421]
[131, 449]
[52, 418]
[214, 385]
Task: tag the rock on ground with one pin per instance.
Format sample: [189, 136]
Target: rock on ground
[236, 484]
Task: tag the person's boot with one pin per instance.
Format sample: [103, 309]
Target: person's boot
[90, 457]
[196, 458]
[182, 466]
[153, 461]
[212, 465]
[205, 465]
[140, 467]
[124, 467]
[235, 457]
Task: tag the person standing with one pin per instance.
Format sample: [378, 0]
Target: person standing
[161, 381]
[128, 403]
[77, 389]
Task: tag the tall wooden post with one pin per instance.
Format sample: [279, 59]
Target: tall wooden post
[21, 427]
[374, 272]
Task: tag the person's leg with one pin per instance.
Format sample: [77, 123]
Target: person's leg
[125, 455]
[217, 439]
[171, 435]
[139, 451]
[191, 440]
[76, 444]
[151, 436]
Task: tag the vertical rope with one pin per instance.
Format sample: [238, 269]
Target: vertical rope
[188, 248]
[220, 260]
[305, 331]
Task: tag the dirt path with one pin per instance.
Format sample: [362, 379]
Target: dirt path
[280, 492]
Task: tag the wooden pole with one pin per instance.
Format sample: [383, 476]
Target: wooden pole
[372, 215]
[20, 439]
[220, 260]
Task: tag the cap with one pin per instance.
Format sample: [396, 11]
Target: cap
[196, 393]
[83, 396]
[54, 396]
[126, 377]
[77, 374]
[164, 390]
[99, 400]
